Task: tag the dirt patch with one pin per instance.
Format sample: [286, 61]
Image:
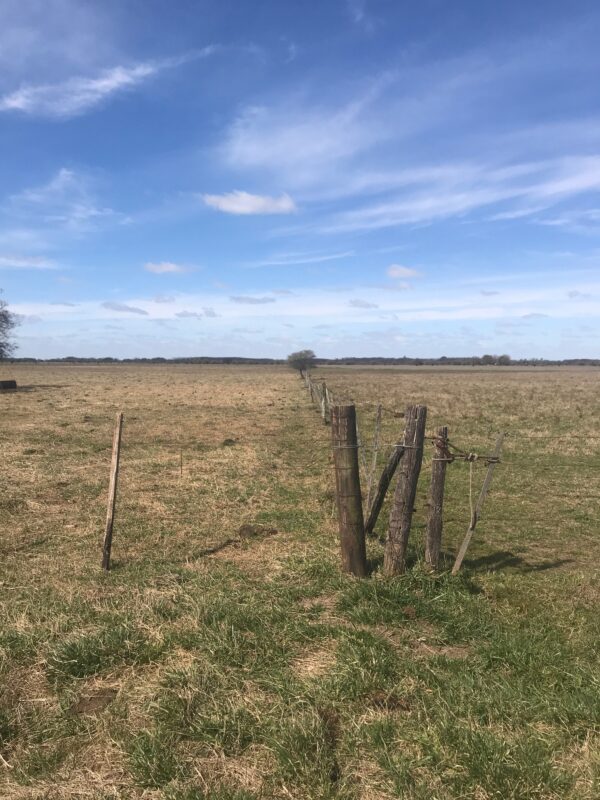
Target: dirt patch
[252, 531]
[325, 603]
[315, 663]
[388, 701]
[425, 650]
[94, 702]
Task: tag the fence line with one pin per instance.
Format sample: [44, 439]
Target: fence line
[409, 455]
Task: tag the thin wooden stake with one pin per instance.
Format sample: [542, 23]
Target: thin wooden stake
[112, 492]
[479, 505]
[384, 482]
[375, 454]
[347, 485]
[324, 402]
[394, 561]
[433, 540]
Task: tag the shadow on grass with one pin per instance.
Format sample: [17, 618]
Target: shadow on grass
[493, 562]
[29, 387]
[505, 559]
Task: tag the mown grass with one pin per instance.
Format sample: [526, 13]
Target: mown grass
[208, 664]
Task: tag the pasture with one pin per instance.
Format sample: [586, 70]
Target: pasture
[226, 656]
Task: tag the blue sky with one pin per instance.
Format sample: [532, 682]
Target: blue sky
[361, 177]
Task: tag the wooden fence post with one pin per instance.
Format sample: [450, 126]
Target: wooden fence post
[112, 492]
[394, 562]
[384, 482]
[324, 408]
[479, 505]
[347, 486]
[433, 540]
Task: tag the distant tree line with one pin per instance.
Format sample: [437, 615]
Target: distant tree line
[454, 361]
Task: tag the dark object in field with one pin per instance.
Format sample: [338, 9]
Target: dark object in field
[8, 386]
[251, 531]
[94, 703]
[228, 442]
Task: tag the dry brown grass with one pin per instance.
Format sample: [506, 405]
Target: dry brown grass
[225, 576]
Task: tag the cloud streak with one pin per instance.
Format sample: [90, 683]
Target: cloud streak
[78, 95]
[239, 202]
[26, 262]
[163, 267]
[123, 308]
[249, 300]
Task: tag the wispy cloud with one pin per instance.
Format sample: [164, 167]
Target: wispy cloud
[77, 95]
[297, 259]
[540, 185]
[238, 202]
[163, 267]
[249, 300]
[188, 314]
[26, 262]
[123, 308]
[66, 202]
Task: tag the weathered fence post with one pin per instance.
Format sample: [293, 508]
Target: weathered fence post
[433, 541]
[112, 492]
[347, 486]
[384, 482]
[479, 505]
[324, 404]
[394, 561]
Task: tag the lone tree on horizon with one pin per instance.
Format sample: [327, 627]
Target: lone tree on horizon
[7, 322]
[302, 360]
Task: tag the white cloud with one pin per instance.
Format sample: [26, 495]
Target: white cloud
[398, 271]
[238, 202]
[76, 95]
[26, 262]
[162, 267]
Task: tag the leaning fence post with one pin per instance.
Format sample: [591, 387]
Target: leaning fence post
[384, 482]
[394, 561]
[433, 541]
[112, 492]
[347, 486]
[479, 505]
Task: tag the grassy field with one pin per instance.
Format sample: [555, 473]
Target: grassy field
[225, 656]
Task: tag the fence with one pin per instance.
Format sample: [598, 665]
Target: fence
[407, 456]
